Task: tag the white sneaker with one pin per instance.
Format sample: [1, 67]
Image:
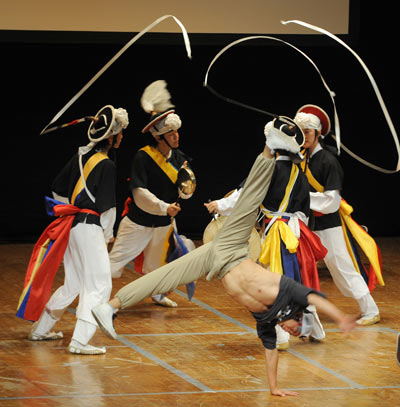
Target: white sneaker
[318, 332]
[78, 348]
[368, 320]
[282, 338]
[103, 314]
[369, 310]
[49, 336]
[165, 302]
[283, 345]
[307, 323]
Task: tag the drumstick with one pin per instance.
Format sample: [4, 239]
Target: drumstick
[213, 213]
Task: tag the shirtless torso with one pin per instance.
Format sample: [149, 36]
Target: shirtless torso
[252, 285]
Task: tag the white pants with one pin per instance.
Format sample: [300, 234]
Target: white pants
[346, 278]
[339, 263]
[131, 240]
[87, 274]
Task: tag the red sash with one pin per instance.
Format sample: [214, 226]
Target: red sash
[46, 258]
[309, 251]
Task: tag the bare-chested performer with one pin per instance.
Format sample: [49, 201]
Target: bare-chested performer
[272, 298]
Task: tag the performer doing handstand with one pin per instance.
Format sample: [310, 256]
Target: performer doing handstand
[272, 298]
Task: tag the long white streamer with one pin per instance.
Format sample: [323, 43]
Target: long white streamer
[115, 57]
[331, 94]
[377, 92]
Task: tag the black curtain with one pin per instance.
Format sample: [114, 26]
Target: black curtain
[42, 71]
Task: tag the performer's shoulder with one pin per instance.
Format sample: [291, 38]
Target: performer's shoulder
[107, 164]
[326, 155]
[141, 154]
[180, 156]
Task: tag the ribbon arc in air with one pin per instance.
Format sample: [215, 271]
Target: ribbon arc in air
[115, 57]
[377, 93]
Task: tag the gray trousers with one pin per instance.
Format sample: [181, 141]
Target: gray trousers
[229, 248]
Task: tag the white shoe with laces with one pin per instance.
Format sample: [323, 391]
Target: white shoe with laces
[165, 302]
[103, 314]
[49, 336]
[368, 320]
[79, 349]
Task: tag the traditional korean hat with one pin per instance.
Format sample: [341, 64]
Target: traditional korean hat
[283, 133]
[313, 117]
[156, 100]
[107, 122]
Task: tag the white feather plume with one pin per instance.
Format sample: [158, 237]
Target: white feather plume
[156, 98]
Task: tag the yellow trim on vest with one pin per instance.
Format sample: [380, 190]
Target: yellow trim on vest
[161, 161]
[271, 247]
[312, 181]
[293, 176]
[289, 187]
[87, 169]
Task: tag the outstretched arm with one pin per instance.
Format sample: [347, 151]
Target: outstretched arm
[346, 322]
[271, 359]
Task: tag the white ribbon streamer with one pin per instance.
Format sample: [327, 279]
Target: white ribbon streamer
[377, 93]
[116, 56]
[331, 94]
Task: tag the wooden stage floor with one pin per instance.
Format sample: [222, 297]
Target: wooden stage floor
[203, 353]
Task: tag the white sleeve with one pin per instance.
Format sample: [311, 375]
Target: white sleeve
[107, 220]
[325, 202]
[225, 205]
[148, 202]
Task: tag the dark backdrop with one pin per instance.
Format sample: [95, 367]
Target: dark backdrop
[42, 71]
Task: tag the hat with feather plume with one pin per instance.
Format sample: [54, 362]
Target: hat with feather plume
[156, 100]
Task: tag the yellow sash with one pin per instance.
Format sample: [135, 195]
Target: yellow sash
[271, 247]
[172, 174]
[364, 240]
[165, 248]
[87, 169]
[311, 180]
[161, 161]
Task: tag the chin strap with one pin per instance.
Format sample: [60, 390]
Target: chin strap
[377, 93]
[165, 140]
[115, 57]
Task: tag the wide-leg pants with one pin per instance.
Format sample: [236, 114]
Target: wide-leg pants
[229, 248]
[132, 239]
[339, 263]
[87, 273]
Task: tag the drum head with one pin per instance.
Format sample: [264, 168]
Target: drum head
[216, 224]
